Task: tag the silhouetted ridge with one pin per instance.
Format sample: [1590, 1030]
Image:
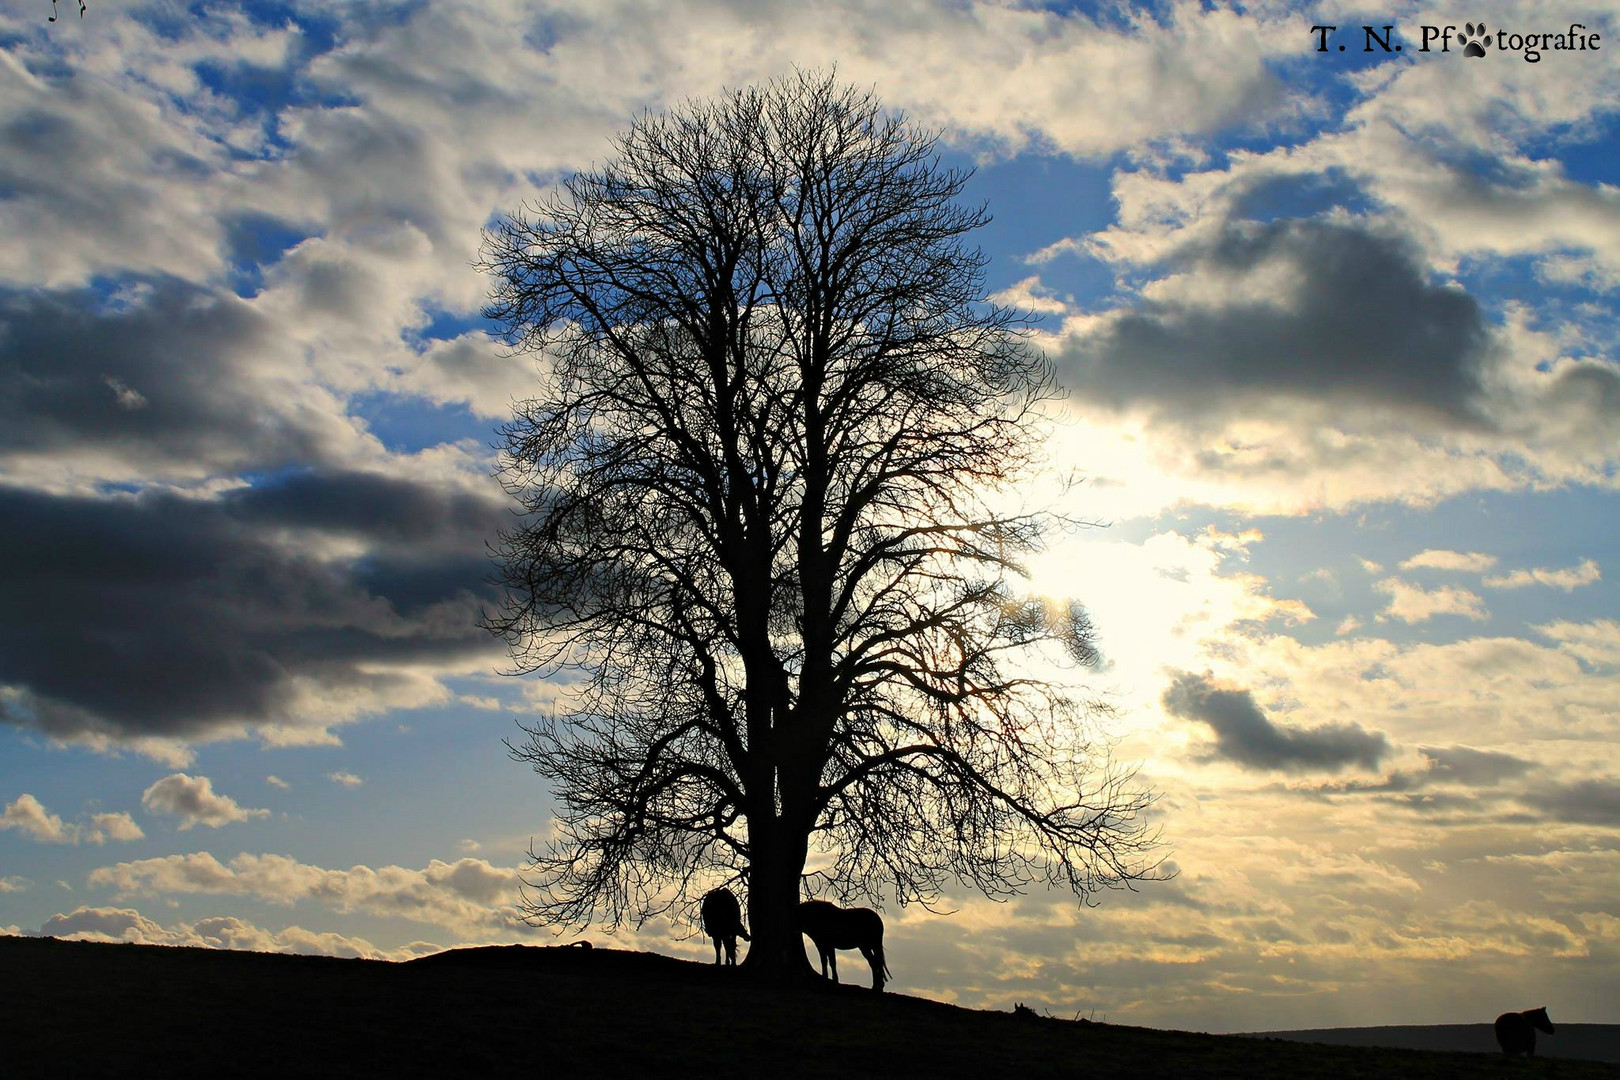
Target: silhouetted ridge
[81, 1009]
[531, 957]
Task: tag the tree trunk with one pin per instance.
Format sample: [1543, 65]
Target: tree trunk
[777, 949]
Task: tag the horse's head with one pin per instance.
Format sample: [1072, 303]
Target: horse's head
[1539, 1018]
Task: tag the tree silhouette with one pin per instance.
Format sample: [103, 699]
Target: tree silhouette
[758, 531]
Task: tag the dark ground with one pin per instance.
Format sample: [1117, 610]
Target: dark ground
[1588, 1042]
[76, 1009]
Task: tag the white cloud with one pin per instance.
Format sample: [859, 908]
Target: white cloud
[1584, 270]
[1414, 142]
[1568, 579]
[1596, 643]
[115, 826]
[194, 800]
[1030, 295]
[27, 815]
[1439, 559]
[127, 397]
[345, 778]
[469, 895]
[219, 932]
[1413, 603]
[276, 781]
[13, 884]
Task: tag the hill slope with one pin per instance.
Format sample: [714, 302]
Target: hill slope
[81, 1009]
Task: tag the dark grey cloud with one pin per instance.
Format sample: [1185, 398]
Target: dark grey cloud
[382, 509]
[1391, 788]
[1450, 769]
[1246, 737]
[1357, 321]
[168, 377]
[157, 615]
[1401, 791]
[1472, 768]
[1594, 386]
[1584, 802]
[1580, 404]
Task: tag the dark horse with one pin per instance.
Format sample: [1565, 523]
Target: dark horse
[1516, 1032]
[722, 920]
[833, 928]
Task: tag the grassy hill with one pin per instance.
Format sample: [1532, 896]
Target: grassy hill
[86, 1010]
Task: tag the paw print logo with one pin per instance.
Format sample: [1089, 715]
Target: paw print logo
[1474, 48]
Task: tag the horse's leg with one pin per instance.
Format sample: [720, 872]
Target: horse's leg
[880, 970]
[832, 955]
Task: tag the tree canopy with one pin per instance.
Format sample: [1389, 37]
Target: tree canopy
[761, 539]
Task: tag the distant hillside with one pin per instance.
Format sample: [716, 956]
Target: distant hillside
[73, 1009]
[1585, 1042]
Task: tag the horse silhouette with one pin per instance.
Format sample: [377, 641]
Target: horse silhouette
[833, 928]
[722, 920]
[1516, 1031]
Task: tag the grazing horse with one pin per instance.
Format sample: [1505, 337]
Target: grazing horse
[722, 920]
[1516, 1032]
[833, 928]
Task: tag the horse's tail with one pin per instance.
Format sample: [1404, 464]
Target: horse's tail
[743, 933]
[882, 965]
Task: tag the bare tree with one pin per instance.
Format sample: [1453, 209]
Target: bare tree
[758, 531]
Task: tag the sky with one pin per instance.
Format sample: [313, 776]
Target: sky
[1338, 336]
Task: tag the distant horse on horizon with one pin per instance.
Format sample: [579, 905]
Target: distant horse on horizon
[722, 920]
[1516, 1031]
[832, 928]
